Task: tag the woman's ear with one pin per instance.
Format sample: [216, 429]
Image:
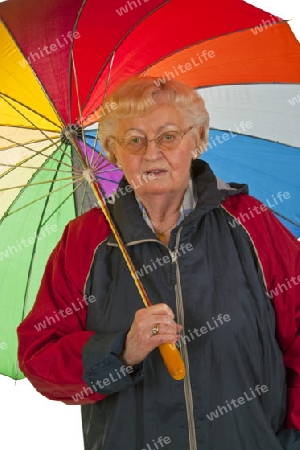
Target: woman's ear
[198, 135]
[200, 141]
[200, 132]
[110, 150]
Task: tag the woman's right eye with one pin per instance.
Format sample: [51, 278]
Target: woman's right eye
[134, 140]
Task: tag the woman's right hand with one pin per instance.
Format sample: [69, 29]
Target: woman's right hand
[140, 339]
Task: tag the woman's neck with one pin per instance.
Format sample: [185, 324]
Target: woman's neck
[163, 213]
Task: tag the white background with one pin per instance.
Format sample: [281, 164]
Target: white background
[30, 421]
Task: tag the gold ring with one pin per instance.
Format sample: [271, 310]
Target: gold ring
[155, 330]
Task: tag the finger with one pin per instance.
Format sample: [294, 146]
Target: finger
[178, 327]
[161, 308]
[165, 329]
[154, 319]
[159, 339]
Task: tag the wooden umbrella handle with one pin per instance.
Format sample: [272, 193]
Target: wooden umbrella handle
[173, 360]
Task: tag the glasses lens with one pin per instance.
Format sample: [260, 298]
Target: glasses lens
[168, 140]
[134, 144]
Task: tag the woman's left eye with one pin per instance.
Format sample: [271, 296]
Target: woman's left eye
[168, 136]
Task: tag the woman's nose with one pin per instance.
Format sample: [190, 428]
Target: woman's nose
[152, 151]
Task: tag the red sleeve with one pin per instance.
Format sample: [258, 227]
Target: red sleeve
[278, 252]
[52, 336]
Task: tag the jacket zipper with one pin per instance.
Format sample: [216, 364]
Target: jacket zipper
[184, 353]
[183, 348]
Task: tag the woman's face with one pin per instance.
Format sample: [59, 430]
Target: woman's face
[157, 171]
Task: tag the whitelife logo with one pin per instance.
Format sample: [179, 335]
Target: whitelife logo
[183, 68]
[132, 5]
[24, 243]
[294, 100]
[159, 443]
[238, 402]
[112, 378]
[59, 43]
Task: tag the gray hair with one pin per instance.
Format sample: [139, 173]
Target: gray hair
[138, 95]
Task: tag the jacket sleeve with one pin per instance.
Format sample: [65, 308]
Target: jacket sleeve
[278, 252]
[56, 352]
[103, 370]
[53, 334]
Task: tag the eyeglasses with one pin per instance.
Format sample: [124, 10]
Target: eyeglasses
[136, 145]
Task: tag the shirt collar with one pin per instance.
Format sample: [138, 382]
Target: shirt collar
[187, 206]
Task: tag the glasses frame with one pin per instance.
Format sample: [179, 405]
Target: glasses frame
[155, 139]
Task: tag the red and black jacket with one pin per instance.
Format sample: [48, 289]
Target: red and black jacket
[243, 263]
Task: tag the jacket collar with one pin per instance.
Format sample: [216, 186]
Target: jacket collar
[211, 192]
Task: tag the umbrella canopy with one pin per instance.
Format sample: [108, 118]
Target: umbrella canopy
[60, 59]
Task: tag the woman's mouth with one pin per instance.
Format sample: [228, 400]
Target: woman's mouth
[155, 172]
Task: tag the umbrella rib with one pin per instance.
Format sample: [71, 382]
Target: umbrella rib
[101, 70]
[24, 143]
[37, 78]
[105, 164]
[34, 247]
[122, 39]
[5, 97]
[79, 109]
[70, 61]
[256, 137]
[108, 76]
[60, 205]
[48, 157]
[16, 199]
[195, 44]
[100, 166]
[107, 170]
[100, 154]
[104, 97]
[36, 200]
[90, 136]
[94, 150]
[284, 217]
[35, 127]
[107, 179]
[83, 198]
[15, 166]
[114, 169]
[38, 183]
[41, 151]
[37, 141]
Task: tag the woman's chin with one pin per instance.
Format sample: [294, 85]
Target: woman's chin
[154, 190]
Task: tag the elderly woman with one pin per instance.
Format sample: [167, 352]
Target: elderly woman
[226, 290]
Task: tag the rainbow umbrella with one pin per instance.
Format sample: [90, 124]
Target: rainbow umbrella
[60, 59]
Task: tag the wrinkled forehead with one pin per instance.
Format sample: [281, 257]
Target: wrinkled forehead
[162, 116]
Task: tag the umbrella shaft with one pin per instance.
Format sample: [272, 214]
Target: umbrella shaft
[98, 194]
[103, 206]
